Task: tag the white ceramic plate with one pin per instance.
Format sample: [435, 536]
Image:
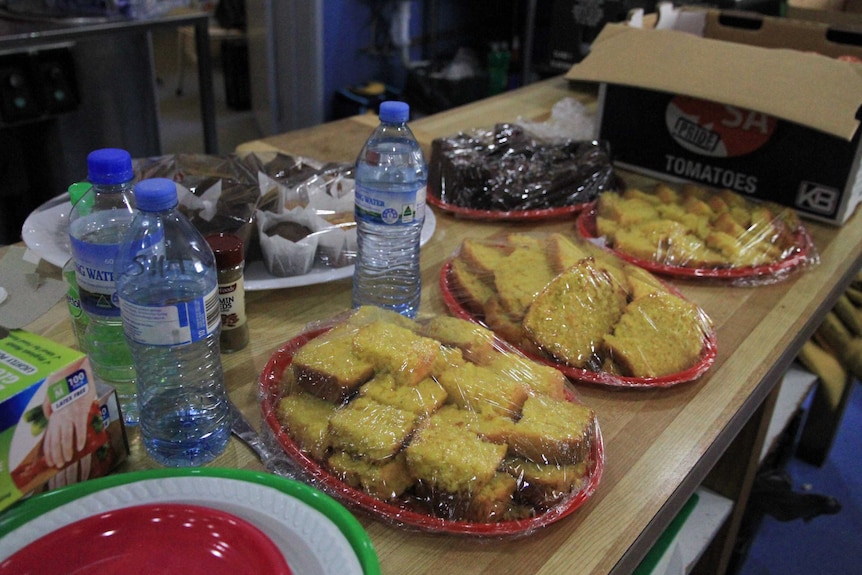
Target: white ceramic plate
[46, 232]
[315, 537]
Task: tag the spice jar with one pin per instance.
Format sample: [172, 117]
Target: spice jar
[228, 252]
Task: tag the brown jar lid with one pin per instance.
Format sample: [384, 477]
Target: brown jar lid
[227, 249]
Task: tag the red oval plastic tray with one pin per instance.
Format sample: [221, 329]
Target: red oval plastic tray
[707, 354]
[801, 252]
[511, 215]
[270, 381]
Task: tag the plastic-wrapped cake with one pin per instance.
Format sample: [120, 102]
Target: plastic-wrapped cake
[507, 169]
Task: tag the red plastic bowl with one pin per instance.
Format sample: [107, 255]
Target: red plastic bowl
[157, 538]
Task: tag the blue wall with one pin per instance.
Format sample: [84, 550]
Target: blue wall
[348, 36]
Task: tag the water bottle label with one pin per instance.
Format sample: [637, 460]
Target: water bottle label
[176, 324]
[94, 273]
[390, 208]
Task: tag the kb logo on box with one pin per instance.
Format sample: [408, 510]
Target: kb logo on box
[817, 198]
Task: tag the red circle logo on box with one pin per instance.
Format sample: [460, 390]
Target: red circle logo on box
[717, 130]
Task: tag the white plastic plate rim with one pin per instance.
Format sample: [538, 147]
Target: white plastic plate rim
[311, 543]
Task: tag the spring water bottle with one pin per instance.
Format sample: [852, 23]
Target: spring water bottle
[391, 175]
[73, 298]
[97, 223]
[168, 290]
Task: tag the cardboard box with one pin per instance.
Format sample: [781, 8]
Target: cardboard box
[757, 104]
[46, 388]
[841, 14]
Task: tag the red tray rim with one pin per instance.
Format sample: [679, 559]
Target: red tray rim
[269, 382]
[511, 215]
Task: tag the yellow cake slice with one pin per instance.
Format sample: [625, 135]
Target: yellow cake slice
[659, 334]
[407, 356]
[571, 317]
[384, 481]
[370, 430]
[553, 432]
[307, 421]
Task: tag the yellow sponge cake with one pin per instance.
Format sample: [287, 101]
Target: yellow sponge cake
[658, 334]
[384, 481]
[553, 432]
[570, 318]
[366, 428]
[307, 420]
[328, 368]
[428, 420]
[424, 398]
[452, 459]
[401, 352]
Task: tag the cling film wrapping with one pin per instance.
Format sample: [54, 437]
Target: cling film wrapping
[290, 212]
[704, 233]
[571, 304]
[508, 169]
[434, 424]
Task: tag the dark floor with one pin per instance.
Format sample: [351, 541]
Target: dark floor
[179, 114]
[829, 544]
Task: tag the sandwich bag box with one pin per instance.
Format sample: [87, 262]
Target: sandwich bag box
[767, 107]
[44, 385]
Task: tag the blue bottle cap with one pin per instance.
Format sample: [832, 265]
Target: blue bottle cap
[109, 166]
[155, 194]
[394, 112]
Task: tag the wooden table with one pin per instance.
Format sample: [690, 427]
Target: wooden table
[660, 444]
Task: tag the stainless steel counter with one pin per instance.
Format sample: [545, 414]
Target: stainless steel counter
[18, 34]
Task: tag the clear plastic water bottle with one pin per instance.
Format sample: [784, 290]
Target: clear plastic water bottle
[73, 298]
[391, 175]
[168, 291]
[97, 223]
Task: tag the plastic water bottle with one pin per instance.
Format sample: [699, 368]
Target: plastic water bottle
[391, 175]
[168, 291]
[97, 223]
[73, 298]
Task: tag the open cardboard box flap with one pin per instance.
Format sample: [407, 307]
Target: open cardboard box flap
[807, 88]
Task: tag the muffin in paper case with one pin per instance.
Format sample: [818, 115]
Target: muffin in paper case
[289, 240]
[569, 303]
[434, 424]
[330, 197]
[697, 232]
[325, 190]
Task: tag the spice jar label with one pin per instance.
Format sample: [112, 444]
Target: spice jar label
[232, 298]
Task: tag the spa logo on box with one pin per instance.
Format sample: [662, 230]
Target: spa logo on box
[716, 130]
